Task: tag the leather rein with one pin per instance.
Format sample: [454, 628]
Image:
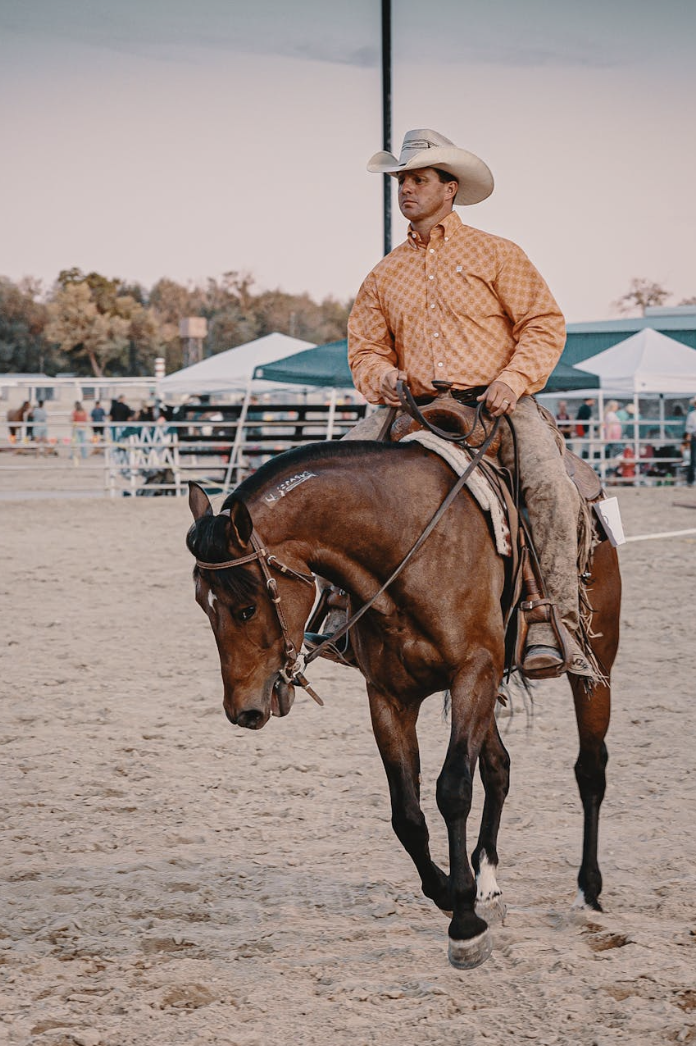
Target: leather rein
[292, 671]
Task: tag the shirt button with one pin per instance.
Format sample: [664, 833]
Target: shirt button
[436, 335]
[432, 306]
[440, 364]
[431, 277]
[446, 239]
[432, 250]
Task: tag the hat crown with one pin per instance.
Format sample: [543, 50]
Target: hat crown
[419, 140]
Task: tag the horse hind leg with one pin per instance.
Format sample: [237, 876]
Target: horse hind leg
[494, 767]
[592, 712]
[592, 715]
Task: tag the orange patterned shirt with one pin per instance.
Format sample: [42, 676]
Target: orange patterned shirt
[468, 308]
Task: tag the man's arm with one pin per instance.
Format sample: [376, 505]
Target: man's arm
[371, 354]
[538, 328]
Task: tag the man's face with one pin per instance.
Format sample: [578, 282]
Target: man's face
[422, 195]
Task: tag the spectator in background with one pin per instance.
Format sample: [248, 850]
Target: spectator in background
[582, 429]
[120, 414]
[79, 432]
[627, 416]
[40, 424]
[563, 420]
[690, 434]
[612, 429]
[98, 417]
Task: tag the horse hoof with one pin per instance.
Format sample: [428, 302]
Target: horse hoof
[493, 910]
[467, 955]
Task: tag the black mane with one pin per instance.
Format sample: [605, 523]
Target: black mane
[207, 539]
[302, 457]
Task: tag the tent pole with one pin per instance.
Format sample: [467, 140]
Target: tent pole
[600, 434]
[636, 439]
[238, 436]
[332, 415]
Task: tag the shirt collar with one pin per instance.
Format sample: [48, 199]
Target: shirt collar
[444, 229]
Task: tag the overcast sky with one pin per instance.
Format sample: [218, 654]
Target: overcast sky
[148, 138]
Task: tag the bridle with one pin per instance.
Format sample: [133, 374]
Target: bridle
[291, 672]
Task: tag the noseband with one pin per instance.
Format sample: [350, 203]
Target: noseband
[291, 672]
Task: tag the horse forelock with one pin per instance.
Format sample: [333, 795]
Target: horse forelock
[207, 540]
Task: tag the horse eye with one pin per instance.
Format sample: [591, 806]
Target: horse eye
[246, 613]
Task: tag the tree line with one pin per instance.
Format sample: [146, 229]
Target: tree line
[89, 324]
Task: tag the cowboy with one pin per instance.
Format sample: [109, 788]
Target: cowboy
[456, 304]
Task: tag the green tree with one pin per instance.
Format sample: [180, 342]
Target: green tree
[23, 316]
[86, 335]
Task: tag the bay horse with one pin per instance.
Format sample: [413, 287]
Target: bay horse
[349, 512]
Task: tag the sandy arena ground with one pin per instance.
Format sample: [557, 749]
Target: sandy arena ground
[168, 879]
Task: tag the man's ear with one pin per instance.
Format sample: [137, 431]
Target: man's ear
[199, 502]
[241, 525]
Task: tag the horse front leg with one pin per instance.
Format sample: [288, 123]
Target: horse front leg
[394, 727]
[494, 766]
[473, 702]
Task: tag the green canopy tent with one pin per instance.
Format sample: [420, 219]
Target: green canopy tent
[566, 378]
[327, 366]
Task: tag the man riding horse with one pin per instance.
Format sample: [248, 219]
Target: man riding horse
[458, 305]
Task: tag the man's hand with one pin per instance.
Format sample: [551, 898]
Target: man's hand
[499, 399]
[388, 387]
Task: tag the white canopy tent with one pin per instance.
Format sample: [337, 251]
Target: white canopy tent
[646, 365]
[647, 362]
[230, 371]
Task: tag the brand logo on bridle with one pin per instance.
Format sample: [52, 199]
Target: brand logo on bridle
[287, 485]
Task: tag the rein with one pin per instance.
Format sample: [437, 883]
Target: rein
[456, 489]
[292, 672]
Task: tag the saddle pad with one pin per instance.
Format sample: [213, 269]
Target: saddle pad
[458, 460]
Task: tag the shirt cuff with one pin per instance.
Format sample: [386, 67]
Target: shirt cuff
[515, 381]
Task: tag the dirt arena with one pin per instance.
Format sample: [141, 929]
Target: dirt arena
[168, 879]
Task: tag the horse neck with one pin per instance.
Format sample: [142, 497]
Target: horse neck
[351, 516]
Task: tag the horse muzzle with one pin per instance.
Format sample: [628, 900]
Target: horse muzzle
[255, 716]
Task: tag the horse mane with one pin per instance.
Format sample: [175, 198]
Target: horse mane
[302, 457]
[207, 539]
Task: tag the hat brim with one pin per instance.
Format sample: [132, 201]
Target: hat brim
[474, 177]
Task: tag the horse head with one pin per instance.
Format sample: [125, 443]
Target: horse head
[258, 626]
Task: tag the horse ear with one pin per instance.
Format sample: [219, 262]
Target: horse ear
[199, 502]
[240, 522]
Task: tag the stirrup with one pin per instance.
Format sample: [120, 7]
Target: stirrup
[542, 662]
[552, 661]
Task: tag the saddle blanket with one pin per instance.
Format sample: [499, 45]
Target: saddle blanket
[459, 460]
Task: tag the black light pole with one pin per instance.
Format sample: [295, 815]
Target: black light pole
[386, 115]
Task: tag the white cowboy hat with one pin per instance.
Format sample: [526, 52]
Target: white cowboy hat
[424, 148]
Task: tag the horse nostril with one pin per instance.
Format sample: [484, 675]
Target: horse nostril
[250, 720]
